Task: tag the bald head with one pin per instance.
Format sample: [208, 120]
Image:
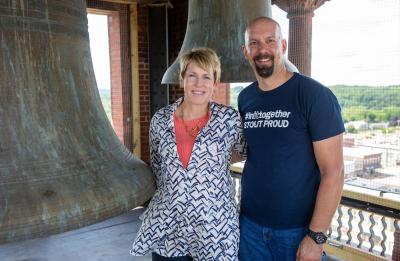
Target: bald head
[264, 47]
[265, 22]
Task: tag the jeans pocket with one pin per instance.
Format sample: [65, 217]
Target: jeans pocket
[289, 238]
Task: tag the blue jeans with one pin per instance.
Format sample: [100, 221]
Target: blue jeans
[266, 244]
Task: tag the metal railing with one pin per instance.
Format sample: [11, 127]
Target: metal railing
[365, 225]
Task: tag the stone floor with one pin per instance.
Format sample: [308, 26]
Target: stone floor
[108, 240]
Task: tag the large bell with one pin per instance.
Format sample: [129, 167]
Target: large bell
[61, 164]
[220, 25]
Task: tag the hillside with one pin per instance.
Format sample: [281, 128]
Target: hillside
[369, 103]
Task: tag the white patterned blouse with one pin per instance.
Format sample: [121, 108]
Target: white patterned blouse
[193, 211]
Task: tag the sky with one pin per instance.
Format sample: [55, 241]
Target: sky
[98, 34]
[355, 42]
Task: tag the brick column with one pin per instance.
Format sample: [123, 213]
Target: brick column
[115, 75]
[300, 14]
[300, 38]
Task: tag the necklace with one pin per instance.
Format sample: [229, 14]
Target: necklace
[193, 127]
[192, 131]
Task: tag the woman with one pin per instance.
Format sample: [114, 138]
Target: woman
[193, 214]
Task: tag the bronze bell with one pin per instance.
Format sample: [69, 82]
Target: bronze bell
[61, 164]
[220, 25]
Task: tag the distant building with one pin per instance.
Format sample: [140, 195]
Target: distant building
[358, 125]
[378, 125]
[390, 152]
[351, 168]
[348, 142]
[365, 159]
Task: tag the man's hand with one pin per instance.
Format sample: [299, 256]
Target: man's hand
[309, 250]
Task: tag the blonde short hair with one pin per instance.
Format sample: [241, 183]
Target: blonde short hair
[204, 57]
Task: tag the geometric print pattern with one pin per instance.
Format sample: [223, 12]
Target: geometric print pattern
[193, 211]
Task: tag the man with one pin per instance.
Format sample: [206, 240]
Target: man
[293, 176]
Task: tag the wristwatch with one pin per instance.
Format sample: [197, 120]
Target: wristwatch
[318, 237]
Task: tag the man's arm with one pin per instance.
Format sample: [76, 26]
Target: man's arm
[329, 156]
[236, 157]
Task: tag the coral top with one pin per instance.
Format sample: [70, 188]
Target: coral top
[186, 133]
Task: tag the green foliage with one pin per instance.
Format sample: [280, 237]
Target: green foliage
[234, 95]
[105, 97]
[351, 129]
[369, 96]
[372, 104]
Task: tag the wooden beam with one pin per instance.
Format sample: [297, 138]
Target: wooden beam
[347, 252]
[147, 2]
[99, 11]
[377, 200]
[135, 79]
[131, 2]
[128, 2]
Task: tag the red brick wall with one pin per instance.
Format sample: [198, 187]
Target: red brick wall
[222, 93]
[120, 67]
[144, 85]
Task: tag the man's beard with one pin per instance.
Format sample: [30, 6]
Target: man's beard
[264, 71]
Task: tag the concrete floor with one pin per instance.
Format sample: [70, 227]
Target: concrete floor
[108, 240]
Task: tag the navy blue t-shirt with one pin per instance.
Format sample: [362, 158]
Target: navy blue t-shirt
[281, 176]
